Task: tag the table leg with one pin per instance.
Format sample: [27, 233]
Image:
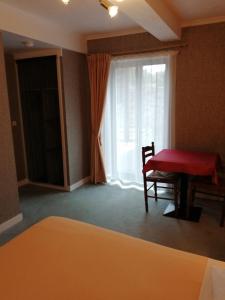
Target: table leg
[193, 214]
[183, 194]
[170, 210]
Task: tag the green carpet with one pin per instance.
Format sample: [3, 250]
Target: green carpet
[123, 210]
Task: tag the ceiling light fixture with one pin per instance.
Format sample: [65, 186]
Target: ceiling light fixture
[66, 1]
[28, 44]
[112, 9]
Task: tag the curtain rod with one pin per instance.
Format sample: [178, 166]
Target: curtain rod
[157, 49]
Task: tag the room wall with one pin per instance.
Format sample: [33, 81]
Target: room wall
[200, 105]
[132, 43]
[15, 116]
[200, 92]
[9, 201]
[77, 114]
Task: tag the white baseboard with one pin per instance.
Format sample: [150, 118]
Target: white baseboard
[49, 186]
[11, 222]
[56, 187]
[23, 182]
[46, 185]
[79, 184]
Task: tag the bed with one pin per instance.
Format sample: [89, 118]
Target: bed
[59, 258]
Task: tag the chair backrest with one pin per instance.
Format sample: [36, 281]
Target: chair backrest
[147, 152]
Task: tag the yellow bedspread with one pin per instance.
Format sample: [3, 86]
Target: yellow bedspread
[62, 259]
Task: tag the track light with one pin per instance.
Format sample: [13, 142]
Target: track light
[112, 9]
[66, 1]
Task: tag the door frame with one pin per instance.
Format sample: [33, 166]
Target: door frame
[45, 53]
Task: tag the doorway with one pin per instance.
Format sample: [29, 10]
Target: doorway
[41, 119]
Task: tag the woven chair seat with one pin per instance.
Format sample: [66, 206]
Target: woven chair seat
[162, 177]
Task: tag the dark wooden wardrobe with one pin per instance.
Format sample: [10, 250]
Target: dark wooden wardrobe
[39, 95]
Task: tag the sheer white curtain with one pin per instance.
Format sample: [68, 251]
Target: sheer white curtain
[139, 110]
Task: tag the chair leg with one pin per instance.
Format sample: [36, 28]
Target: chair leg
[145, 195]
[176, 199]
[223, 214]
[155, 189]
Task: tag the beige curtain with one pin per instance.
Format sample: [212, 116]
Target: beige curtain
[98, 65]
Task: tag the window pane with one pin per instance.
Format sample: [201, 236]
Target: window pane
[137, 113]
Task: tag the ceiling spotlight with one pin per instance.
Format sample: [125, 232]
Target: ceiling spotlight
[113, 10]
[28, 44]
[66, 1]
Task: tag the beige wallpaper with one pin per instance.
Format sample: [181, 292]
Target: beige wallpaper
[200, 93]
[9, 202]
[200, 99]
[77, 115]
[77, 111]
[129, 44]
[19, 150]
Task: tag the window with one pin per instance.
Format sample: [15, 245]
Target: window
[138, 111]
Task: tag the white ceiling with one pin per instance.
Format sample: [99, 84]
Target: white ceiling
[189, 10]
[82, 16]
[69, 26]
[14, 42]
[88, 17]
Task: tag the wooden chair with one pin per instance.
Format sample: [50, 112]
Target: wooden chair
[155, 177]
[203, 185]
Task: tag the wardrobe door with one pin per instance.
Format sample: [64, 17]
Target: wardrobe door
[52, 137]
[41, 117]
[33, 127]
